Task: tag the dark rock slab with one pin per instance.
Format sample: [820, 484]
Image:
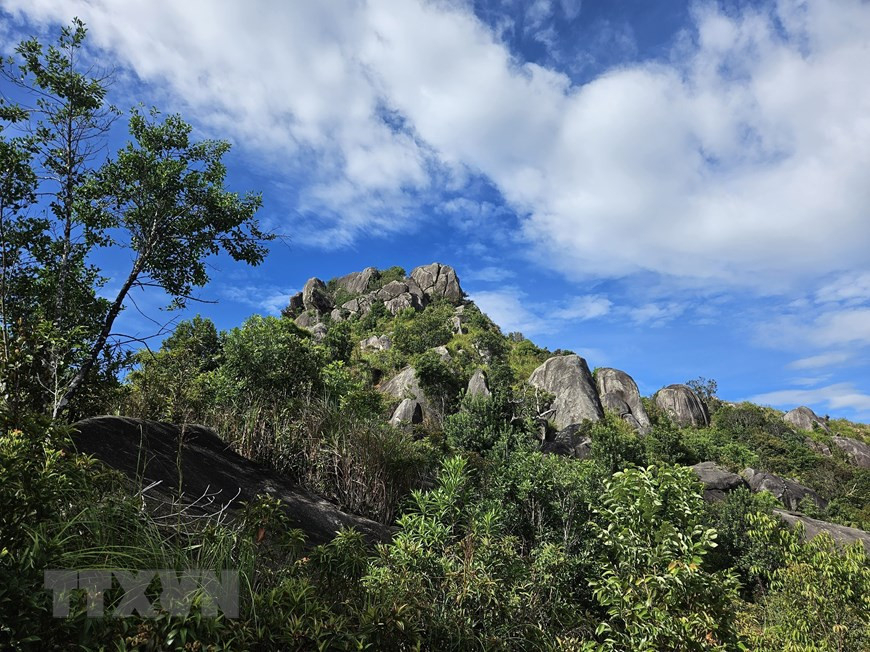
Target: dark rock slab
[208, 465]
[717, 481]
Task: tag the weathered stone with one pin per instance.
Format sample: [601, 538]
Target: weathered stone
[477, 385]
[376, 343]
[404, 385]
[391, 290]
[359, 306]
[443, 353]
[457, 325]
[570, 443]
[398, 303]
[192, 458]
[296, 304]
[319, 331]
[409, 412]
[812, 527]
[357, 282]
[315, 296]
[614, 403]
[717, 481]
[338, 314]
[307, 320]
[858, 452]
[819, 447]
[788, 492]
[568, 378]
[683, 405]
[438, 281]
[614, 381]
[420, 297]
[803, 418]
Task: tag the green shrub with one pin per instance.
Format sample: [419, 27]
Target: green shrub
[819, 599]
[653, 585]
[416, 332]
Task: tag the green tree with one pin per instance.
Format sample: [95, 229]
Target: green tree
[164, 195]
[173, 384]
[62, 120]
[653, 583]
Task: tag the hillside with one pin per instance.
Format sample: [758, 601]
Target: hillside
[528, 500]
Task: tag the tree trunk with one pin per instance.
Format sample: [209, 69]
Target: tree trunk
[79, 379]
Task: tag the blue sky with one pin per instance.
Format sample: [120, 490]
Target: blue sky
[674, 189]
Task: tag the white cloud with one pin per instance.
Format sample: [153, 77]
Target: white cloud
[507, 308]
[270, 299]
[491, 274]
[837, 396]
[655, 314]
[511, 309]
[850, 289]
[585, 307]
[741, 161]
[833, 328]
[819, 361]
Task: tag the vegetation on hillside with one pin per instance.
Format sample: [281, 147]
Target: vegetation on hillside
[497, 545]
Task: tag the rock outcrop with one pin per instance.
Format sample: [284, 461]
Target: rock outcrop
[613, 402]
[404, 385]
[438, 281]
[717, 481]
[569, 442]
[788, 492]
[408, 412]
[357, 282]
[620, 384]
[316, 297]
[477, 386]
[683, 406]
[423, 285]
[857, 451]
[296, 304]
[841, 534]
[803, 418]
[568, 378]
[208, 466]
[376, 343]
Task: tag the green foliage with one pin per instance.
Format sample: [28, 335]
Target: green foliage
[438, 381]
[176, 382]
[416, 332]
[525, 357]
[750, 558]
[383, 277]
[654, 588]
[453, 579]
[615, 444]
[270, 358]
[819, 599]
[338, 342]
[547, 499]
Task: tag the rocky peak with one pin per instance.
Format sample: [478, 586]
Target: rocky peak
[316, 297]
[683, 406]
[803, 418]
[618, 389]
[569, 379]
[438, 281]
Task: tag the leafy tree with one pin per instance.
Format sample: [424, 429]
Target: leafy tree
[62, 121]
[653, 584]
[173, 384]
[165, 195]
[270, 359]
[705, 388]
[416, 332]
[819, 599]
